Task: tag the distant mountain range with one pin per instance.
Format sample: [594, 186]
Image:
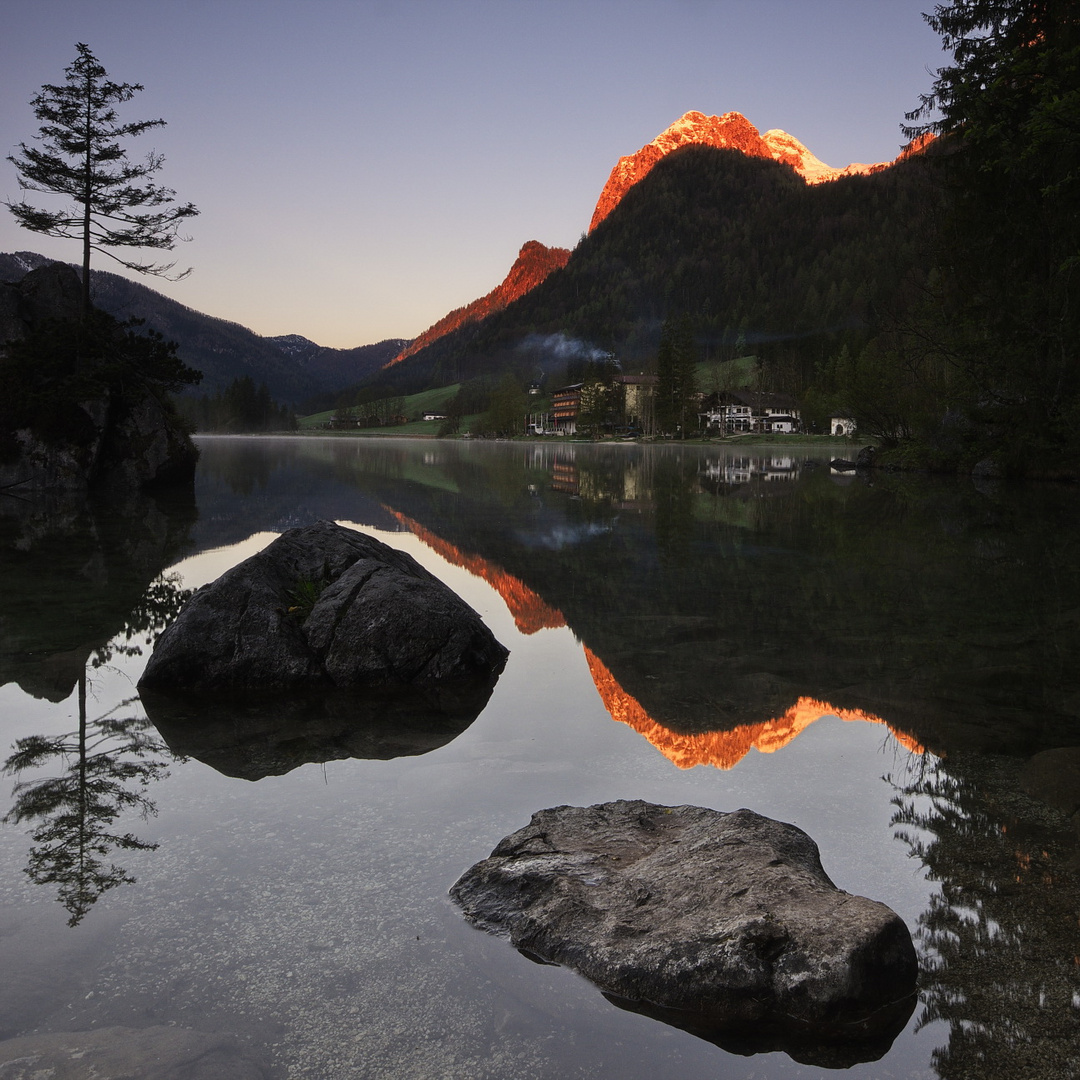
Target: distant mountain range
[292, 367]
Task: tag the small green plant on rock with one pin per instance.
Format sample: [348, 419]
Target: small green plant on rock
[305, 596]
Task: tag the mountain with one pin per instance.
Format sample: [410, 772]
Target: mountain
[224, 350]
[334, 369]
[533, 264]
[732, 131]
[764, 245]
[760, 260]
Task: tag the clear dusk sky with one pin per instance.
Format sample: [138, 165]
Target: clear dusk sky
[364, 166]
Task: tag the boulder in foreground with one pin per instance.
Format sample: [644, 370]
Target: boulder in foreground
[325, 607]
[724, 924]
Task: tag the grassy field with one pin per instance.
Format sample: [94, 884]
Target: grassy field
[415, 405]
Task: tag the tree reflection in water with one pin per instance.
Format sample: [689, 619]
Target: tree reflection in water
[107, 765]
[101, 760]
[1000, 941]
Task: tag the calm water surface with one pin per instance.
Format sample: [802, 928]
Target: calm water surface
[871, 660]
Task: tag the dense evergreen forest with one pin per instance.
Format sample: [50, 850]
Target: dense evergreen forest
[241, 408]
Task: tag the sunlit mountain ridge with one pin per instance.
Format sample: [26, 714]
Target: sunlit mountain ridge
[731, 131]
[534, 262]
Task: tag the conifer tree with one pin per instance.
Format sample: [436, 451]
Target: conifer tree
[81, 156]
[676, 391]
[1008, 108]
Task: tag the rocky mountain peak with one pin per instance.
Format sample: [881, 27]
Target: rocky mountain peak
[731, 131]
[534, 262]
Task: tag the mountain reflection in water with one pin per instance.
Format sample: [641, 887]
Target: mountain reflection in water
[723, 749]
[717, 599]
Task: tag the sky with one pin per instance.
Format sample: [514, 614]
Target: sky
[362, 167]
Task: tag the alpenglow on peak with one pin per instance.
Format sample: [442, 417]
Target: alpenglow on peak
[732, 131]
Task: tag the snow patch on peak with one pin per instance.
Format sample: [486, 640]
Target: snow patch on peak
[790, 151]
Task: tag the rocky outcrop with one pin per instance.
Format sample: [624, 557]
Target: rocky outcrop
[534, 263]
[725, 925]
[118, 438]
[132, 445]
[49, 292]
[731, 131]
[325, 607]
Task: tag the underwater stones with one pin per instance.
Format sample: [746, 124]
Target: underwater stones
[724, 924]
[120, 1053]
[325, 607]
[1053, 777]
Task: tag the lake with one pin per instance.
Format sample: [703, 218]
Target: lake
[873, 658]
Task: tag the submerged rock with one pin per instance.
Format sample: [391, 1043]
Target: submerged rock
[325, 607]
[1053, 777]
[120, 1053]
[724, 924]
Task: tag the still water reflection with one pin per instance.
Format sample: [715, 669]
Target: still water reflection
[871, 660]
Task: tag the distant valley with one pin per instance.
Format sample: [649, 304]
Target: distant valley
[293, 368]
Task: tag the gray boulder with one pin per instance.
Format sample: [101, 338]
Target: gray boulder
[326, 607]
[724, 924]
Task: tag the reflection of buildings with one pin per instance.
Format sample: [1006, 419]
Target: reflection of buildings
[564, 477]
[734, 411]
[624, 488]
[745, 468]
[724, 749]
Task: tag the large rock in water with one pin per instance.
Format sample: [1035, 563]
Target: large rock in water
[325, 607]
[725, 925]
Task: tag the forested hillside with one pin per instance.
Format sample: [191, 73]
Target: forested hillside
[754, 256]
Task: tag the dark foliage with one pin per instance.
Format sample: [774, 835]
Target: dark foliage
[240, 407]
[47, 376]
[1009, 244]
